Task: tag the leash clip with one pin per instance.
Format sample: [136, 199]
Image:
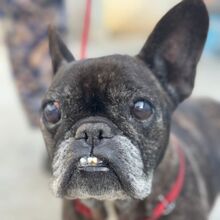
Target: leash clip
[168, 207]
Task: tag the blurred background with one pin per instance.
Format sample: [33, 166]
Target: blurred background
[117, 26]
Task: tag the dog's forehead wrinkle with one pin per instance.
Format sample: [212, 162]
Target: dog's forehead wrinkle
[108, 68]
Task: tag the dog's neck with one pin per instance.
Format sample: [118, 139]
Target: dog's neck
[164, 176]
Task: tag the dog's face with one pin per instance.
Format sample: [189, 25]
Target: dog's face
[111, 108]
[106, 120]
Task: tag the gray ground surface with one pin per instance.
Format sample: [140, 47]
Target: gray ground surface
[24, 187]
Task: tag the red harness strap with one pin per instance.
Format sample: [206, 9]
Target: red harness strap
[82, 209]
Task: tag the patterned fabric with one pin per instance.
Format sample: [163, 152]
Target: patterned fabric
[26, 38]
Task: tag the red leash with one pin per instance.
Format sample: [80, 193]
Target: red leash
[86, 27]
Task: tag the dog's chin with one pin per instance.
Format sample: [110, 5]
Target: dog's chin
[99, 185]
[120, 175]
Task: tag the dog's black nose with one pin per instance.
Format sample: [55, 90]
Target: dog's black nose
[94, 133]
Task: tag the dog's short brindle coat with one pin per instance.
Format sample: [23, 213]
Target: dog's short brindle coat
[99, 94]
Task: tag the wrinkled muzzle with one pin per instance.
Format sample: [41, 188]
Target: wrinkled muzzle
[99, 162]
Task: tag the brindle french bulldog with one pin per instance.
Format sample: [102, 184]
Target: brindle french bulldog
[106, 123]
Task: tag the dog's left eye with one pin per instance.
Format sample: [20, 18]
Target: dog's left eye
[52, 112]
[142, 110]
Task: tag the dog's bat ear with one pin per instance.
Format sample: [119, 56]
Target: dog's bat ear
[174, 48]
[59, 52]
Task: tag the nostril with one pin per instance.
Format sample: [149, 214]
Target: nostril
[86, 136]
[93, 133]
[100, 134]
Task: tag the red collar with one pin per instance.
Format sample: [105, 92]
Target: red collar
[166, 204]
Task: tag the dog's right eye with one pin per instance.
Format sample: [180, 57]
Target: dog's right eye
[52, 112]
[142, 110]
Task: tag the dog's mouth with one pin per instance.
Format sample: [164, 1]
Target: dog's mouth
[113, 170]
[93, 164]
